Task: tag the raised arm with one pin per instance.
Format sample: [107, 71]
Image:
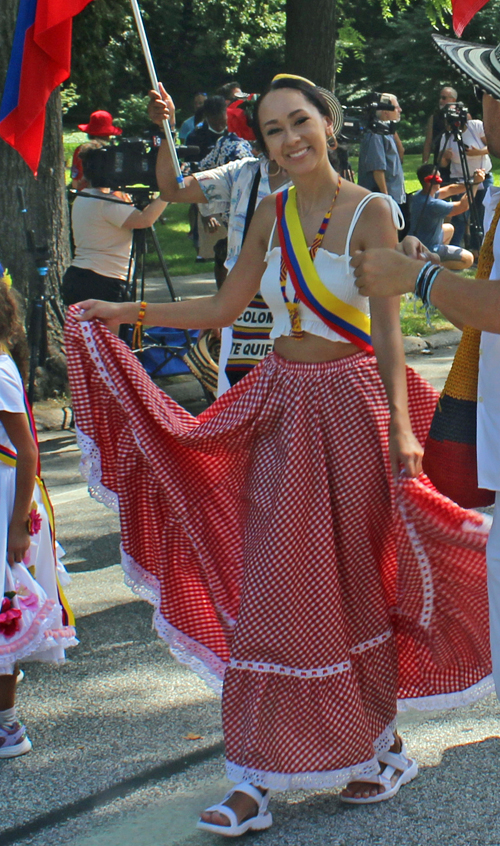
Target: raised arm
[160, 108]
[222, 309]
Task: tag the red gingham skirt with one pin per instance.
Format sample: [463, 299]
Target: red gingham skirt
[281, 558]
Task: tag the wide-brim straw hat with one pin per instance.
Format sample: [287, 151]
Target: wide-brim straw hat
[333, 104]
[202, 360]
[478, 63]
[100, 123]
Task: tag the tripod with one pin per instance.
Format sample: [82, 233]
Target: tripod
[37, 324]
[137, 271]
[475, 226]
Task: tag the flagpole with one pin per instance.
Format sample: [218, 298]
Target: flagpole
[154, 84]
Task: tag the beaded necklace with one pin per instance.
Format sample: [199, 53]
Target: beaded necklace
[296, 330]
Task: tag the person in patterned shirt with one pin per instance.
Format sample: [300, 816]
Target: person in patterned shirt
[226, 190]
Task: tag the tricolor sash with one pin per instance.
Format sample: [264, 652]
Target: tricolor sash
[347, 320]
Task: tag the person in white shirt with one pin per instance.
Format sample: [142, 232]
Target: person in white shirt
[102, 223]
[476, 150]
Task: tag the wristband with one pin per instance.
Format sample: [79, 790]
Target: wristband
[425, 281]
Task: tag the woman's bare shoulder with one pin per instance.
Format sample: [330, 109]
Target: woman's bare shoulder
[375, 226]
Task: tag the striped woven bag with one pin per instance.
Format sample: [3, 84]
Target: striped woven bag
[450, 459]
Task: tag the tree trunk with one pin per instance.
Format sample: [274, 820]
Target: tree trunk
[310, 40]
[47, 212]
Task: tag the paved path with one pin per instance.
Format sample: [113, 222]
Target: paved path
[112, 764]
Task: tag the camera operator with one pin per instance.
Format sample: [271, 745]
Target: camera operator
[435, 129]
[102, 223]
[428, 211]
[381, 157]
[476, 150]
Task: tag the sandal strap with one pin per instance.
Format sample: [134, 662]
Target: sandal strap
[262, 799]
[226, 811]
[397, 760]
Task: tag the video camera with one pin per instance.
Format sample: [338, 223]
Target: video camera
[128, 163]
[361, 119]
[455, 118]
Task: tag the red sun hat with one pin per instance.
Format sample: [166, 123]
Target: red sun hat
[100, 123]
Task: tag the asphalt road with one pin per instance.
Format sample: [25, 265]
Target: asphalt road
[112, 762]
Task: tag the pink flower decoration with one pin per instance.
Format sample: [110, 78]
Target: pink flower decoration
[29, 601]
[34, 522]
[10, 618]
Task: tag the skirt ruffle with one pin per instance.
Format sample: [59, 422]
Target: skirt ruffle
[40, 631]
[282, 560]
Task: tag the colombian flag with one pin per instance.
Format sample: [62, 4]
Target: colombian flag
[464, 11]
[40, 61]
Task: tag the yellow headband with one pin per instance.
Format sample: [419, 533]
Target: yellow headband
[292, 76]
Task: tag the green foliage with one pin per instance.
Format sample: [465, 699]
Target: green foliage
[382, 45]
[132, 115]
[69, 97]
[196, 44]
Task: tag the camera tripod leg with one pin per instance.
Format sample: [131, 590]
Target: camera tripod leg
[168, 280]
[37, 340]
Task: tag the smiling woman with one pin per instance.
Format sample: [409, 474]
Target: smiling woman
[286, 554]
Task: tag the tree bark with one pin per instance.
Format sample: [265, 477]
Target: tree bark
[310, 40]
[47, 209]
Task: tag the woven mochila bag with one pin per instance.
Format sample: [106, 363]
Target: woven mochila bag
[450, 459]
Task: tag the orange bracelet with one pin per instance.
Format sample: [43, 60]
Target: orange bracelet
[137, 334]
[142, 312]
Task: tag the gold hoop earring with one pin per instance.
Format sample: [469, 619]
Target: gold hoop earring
[268, 170]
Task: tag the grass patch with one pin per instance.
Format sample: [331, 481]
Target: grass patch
[415, 320]
[177, 248]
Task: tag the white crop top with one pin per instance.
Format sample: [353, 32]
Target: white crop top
[334, 271]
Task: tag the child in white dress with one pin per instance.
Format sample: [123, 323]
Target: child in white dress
[35, 620]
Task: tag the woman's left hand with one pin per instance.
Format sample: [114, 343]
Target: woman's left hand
[404, 451]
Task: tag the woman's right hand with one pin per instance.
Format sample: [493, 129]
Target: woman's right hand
[18, 542]
[161, 107]
[111, 314]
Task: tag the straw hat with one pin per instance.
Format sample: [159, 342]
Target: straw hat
[474, 61]
[202, 359]
[333, 104]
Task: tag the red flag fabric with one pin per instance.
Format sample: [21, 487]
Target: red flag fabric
[464, 11]
[40, 61]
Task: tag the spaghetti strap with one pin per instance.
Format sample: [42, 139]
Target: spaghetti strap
[271, 237]
[397, 217]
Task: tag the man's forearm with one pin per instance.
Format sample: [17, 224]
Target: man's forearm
[387, 273]
[167, 181]
[463, 302]
[379, 177]
[165, 174]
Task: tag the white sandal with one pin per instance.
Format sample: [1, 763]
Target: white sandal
[395, 762]
[263, 818]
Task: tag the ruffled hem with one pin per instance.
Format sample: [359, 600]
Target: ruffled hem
[184, 649]
[313, 780]
[446, 701]
[90, 468]
[33, 639]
